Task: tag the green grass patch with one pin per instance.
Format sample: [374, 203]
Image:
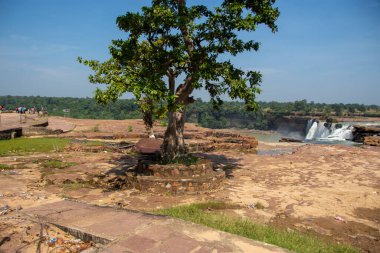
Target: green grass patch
[94, 143]
[76, 186]
[211, 206]
[53, 166]
[5, 167]
[186, 160]
[58, 164]
[25, 145]
[291, 240]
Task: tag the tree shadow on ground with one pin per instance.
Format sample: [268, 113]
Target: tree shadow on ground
[227, 164]
[127, 163]
[124, 164]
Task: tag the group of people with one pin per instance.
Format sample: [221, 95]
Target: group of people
[24, 110]
[32, 110]
[21, 110]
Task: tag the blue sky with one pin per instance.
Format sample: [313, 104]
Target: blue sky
[325, 51]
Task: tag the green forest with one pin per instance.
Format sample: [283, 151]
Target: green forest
[230, 114]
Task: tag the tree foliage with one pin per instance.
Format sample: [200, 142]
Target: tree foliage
[173, 48]
[171, 40]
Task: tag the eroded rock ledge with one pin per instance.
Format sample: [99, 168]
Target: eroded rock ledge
[369, 135]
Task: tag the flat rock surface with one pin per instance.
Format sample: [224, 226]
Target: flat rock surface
[16, 120]
[129, 231]
[59, 123]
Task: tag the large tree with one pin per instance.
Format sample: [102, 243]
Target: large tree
[172, 49]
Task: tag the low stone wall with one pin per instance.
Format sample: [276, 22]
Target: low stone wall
[171, 178]
[214, 143]
[221, 134]
[10, 133]
[176, 170]
[177, 185]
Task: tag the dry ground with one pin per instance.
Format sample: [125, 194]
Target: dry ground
[330, 191]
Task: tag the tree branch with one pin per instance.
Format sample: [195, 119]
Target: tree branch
[171, 78]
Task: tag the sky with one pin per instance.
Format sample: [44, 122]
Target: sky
[324, 51]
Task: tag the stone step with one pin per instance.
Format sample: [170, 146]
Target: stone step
[121, 230]
[177, 185]
[176, 170]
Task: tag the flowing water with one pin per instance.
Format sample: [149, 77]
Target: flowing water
[323, 131]
[267, 137]
[332, 133]
[276, 151]
[320, 132]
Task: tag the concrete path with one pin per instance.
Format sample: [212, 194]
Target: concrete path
[121, 230]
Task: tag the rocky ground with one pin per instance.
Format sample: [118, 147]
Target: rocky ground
[330, 191]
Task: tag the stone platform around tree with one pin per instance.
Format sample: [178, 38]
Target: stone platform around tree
[121, 230]
[175, 178]
[152, 176]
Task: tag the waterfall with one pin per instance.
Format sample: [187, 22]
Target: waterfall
[311, 132]
[309, 124]
[343, 133]
[325, 131]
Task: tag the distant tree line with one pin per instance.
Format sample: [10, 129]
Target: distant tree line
[302, 107]
[233, 114]
[82, 108]
[230, 114]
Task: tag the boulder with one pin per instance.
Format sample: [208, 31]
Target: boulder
[285, 139]
[149, 146]
[360, 132]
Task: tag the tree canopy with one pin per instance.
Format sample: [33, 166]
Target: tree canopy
[173, 49]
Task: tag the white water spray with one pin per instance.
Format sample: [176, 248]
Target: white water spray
[324, 131]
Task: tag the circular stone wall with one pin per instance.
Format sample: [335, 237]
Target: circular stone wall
[176, 178]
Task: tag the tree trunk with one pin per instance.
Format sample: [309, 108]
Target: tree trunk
[151, 132]
[174, 144]
[148, 121]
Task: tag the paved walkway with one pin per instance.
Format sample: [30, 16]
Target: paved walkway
[121, 230]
